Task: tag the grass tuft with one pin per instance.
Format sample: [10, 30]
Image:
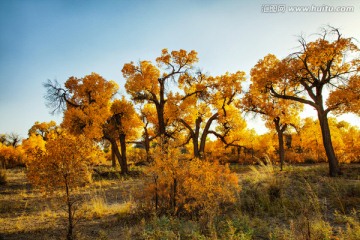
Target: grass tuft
[98, 208]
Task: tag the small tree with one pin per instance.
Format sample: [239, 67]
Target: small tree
[89, 106]
[125, 123]
[63, 165]
[11, 153]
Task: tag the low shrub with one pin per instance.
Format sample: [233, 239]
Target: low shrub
[194, 188]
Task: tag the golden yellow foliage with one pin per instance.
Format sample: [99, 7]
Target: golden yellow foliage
[141, 79]
[64, 163]
[44, 129]
[192, 186]
[206, 100]
[329, 61]
[33, 145]
[128, 120]
[147, 83]
[346, 98]
[10, 156]
[308, 142]
[88, 106]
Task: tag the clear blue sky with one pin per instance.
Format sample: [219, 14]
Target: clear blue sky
[56, 39]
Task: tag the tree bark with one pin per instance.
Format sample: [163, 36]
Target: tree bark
[147, 144]
[160, 109]
[281, 149]
[123, 162]
[115, 147]
[69, 235]
[239, 154]
[113, 157]
[196, 138]
[205, 133]
[280, 132]
[161, 120]
[194, 135]
[326, 137]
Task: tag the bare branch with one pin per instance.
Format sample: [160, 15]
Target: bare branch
[57, 98]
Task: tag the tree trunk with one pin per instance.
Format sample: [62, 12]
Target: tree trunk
[123, 162]
[160, 108]
[115, 147]
[326, 137]
[113, 157]
[239, 154]
[281, 149]
[161, 120]
[194, 135]
[280, 132]
[156, 194]
[147, 144]
[69, 235]
[174, 195]
[205, 133]
[196, 148]
[196, 138]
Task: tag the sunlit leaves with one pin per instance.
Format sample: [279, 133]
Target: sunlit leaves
[65, 161]
[346, 98]
[325, 58]
[263, 73]
[177, 59]
[126, 120]
[10, 156]
[205, 100]
[147, 83]
[345, 138]
[44, 129]
[326, 63]
[91, 95]
[141, 81]
[192, 187]
[33, 146]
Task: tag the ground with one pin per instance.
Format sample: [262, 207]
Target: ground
[301, 202]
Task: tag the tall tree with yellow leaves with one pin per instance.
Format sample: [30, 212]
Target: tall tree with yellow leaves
[89, 109]
[305, 76]
[206, 100]
[148, 83]
[126, 124]
[277, 113]
[86, 104]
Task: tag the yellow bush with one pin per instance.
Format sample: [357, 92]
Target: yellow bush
[10, 156]
[183, 186]
[206, 185]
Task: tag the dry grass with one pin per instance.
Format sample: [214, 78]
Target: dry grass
[28, 213]
[98, 208]
[301, 202]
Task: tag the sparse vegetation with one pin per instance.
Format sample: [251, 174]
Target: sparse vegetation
[293, 204]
